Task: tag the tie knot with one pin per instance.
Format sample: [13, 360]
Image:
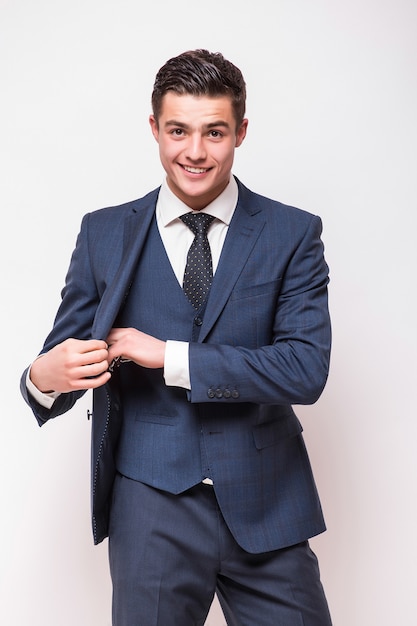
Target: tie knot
[197, 222]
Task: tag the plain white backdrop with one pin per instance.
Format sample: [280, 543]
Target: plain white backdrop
[332, 101]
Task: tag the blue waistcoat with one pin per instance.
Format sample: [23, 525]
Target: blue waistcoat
[161, 441]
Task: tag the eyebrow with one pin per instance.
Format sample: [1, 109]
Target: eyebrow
[215, 124]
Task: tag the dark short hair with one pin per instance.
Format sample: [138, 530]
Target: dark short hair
[200, 73]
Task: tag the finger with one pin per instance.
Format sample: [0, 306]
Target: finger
[91, 345]
[114, 335]
[96, 356]
[94, 381]
[83, 345]
[92, 369]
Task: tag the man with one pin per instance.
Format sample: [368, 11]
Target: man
[200, 477]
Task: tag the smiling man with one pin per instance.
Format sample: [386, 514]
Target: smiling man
[198, 315]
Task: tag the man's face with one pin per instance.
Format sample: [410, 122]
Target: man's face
[197, 137]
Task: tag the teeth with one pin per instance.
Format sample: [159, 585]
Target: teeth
[195, 170]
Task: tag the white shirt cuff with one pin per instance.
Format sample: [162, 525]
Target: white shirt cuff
[176, 365]
[44, 399]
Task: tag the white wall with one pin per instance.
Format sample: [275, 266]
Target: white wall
[332, 102]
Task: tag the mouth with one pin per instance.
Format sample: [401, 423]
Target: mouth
[195, 170]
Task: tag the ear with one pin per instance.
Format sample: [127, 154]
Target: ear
[241, 132]
[154, 127]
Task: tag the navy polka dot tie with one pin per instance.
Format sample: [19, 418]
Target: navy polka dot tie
[199, 269]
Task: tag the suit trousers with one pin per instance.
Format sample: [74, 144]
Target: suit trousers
[169, 554]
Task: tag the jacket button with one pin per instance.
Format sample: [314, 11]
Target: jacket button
[198, 321]
[227, 393]
[211, 393]
[235, 394]
[219, 393]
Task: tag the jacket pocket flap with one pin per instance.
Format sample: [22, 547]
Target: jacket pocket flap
[271, 433]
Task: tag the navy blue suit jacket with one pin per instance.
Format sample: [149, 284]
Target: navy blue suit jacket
[264, 345]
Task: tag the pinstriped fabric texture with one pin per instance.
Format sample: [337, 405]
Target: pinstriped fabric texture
[199, 268]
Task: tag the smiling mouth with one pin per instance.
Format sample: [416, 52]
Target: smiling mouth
[195, 170]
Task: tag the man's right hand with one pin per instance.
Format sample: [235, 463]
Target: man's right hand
[72, 365]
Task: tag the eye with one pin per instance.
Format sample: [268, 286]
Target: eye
[177, 132]
[215, 134]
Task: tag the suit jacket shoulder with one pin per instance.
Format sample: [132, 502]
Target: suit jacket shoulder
[273, 209]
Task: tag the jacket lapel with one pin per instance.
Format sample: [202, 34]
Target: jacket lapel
[135, 232]
[244, 230]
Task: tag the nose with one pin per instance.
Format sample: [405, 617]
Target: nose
[195, 150]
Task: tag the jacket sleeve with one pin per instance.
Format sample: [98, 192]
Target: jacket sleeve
[293, 367]
[73, 319]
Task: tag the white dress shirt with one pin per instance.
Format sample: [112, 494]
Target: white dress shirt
[177, 238]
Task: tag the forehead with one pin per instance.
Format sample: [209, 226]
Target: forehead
[187, 106]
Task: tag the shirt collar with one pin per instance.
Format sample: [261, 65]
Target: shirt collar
[169, 207]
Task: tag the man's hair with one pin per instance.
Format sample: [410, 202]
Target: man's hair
[200, 73]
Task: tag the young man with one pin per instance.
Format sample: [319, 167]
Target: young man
[200, 477]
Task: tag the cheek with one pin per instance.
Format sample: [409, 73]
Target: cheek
[226, 157]
[167, 151]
